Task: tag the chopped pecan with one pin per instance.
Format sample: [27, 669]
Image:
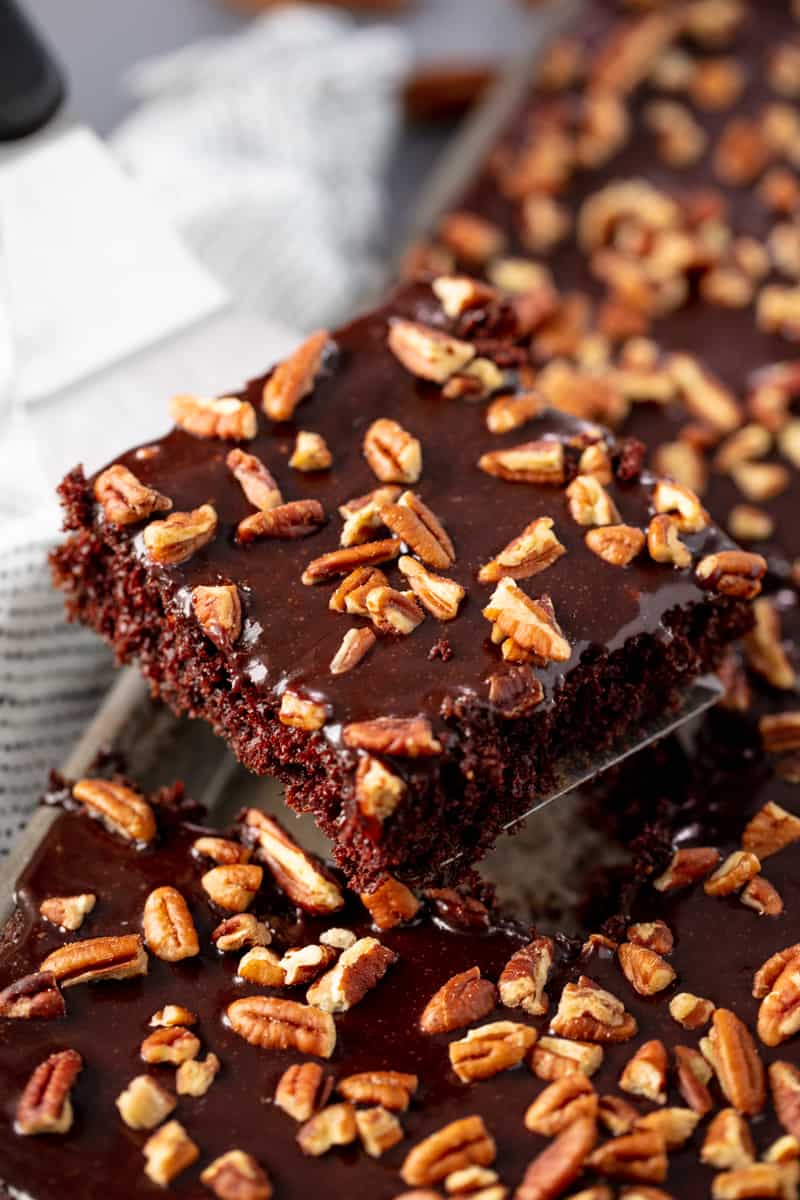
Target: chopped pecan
[121, 810]
[460, 1144]
[96, 959]
[617, 1115]
[354, 646]
[124, 499]
[167, 1152]
[362, 514]
[664, 544]
[378, 790]
[255, 479]
[681, 504]
[301, 964]
[458, 909]
[769, 971]
[238, 931]
[646, 971]
[758, 1179]
[639, 1156]
[68, 912]
[470, 237]
[414, 523]
[675, 1125]
[45, 1105]
[464, 998]
[219, 612]
[276, 1024]
[389, 1089]
[784, 1150]
[220, 850]
[779, 1013]
[694, 1074]
[404, 737]
[532, 462]
[554, 1057]
[590, 503]
[590, 1013]
[523, 979]
[530, 552]
[684, 463]
[515, 691]
[295, 519]
[426, 352]
[761, 481]
[391, 903]
[459, 293]
[233, 887]
[761, 896]
[345, 561]
[303, 1089]
[145, 1103]
[332, 1126]
[33, 997]
[310, 452]
[393, 611]
[439, 595]
[294, 378]
[561, 1103]
[491, 1048]
[301, 712]
[687, 866]
[764, 649]
[262, 966]
[780, 732]
[510, 412]
[172, 1014]
[654, 935]
[236, 1175]
[378, 1130]
[552, 1171]
[338, 938]
[615, 544]
[728, 1143]
[784, 1080]
[350, 596]
[298, 874]
[168, 926]
[737, 870]
[392, 453]
[359, 969]
[690, 1011]
[195, 1076]
[751, 441]
[738, 1067]
[171, 1044]
[742, 152]
[225, 417]
[645, 1074]
[778, 310]
[529, 624]
[179, 535]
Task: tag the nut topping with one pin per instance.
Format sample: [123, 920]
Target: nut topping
[645, 1074]
[470, 237]
[590, 503]
[617, 1115]
[393, 612]
[219, 613]
[639, 1156]
[664, 544]
[359, 969]
[144, 1103]
[617, 545]
[524, 977]
[97, 959]
[168, 926]
[561, 1103]
[510, 412]
[762, 897]
[238, 931]
[354, 646]
[179, 535]
[736, 1062]
[426, 352]
[694, 1074]
[295, 519]
[389, 1089]
[529, 624]
[554, 1057]
[295, 377]
[274, 1024]
[675, 1125]
[465, 998]
[222, 851]
[458, 293]
[737, 870]
[378, 1129]
[172, 1014]
[779, 1013]
[331, 1126]
[167, 1152]
[692, 1012]
[784, 1080]
[681, 504]
[297, 874]
[485, 1051]
[646, 971]
[362, 515]
[195, 1076]
[392, 453]
[552, 1171]
[342, 562]
[310, 452]
[34, 997]
[391, 903]
[687, 866]
[255, 479]
[654, 935]
[351, 594]
[300, 712]
[262, 966]
[226, 417]
[530, 552]
[728, 1143]
[764, 649]
[439, 595]
[780, 732]
[590, 1013]
[403, 737]
[378, 790]
[759, 1179]
[233, 887]
[303, 1089]
[124, 499]
[304, 963]
[68, 912]
[460, 1144]
[735, 573]
[121, 810]
[45, 1105]
[414, 523]
[532, 462]
[237, 1176]
[172, 1044]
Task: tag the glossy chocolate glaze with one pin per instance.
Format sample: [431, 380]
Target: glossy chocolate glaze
[106, 1022]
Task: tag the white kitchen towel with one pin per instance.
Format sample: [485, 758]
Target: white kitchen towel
[266, 152]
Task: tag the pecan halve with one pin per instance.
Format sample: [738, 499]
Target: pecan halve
[779, 1012]
[124, 499]
[33, 997]
[294, 378]
[507, 413]
[655, 935]
[195, 1075]
[762, 897]
[222, 417]
[412, 521]
[179, 535]
[351, 594]
[739, 1069]
[394, 455]
[233, 887]
[674, 1125]
[491, 1048]
[68, 912]
[690, 1011]
[354, 646]
[530, 624]
[462, 1143]
[561, 1103]
[218, 611]
[644, 969]
[390, 1089]
[524, 977]
[617, 545]
[298, 874]
[254, 478]
[464, 998]
[552, 1171]
[738, 869]
[393, 611]
[342, 562]
[554, 1057]
[236, 1175]
[687, 866]
[694, 1074]
[426, 352]
[439, 595]
[590, 503]
[764, 648]
[359, 969]
[458, 293]
[735, 573]
[294, 519]
[532, 551]
[96, 959]
[167, 1152]
[301, 964]
[220, 850]
[590, 1013]
[262, 966]
[238, 931]
[45, 1105]
[168, 926]
[276, 1024]
[404, 737]
[302, 1089]
[664, 544]
[639, 1156]
[539, 461]
[121, 810]
[391, 903]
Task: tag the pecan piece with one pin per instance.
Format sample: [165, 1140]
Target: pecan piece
[301, 712]
[779, 1012]
[687, 866]
[489, 1049]
[121, 810]
[524, 977]
[168, 926]
[426, 352]
[310, 452]
[764, 649]
[615, 544]
[45, 1105]
[354, 646]
[681, 504]
[552, 1171]
[392, 453]
[645, 1074]
[236, 1175]
[172, 1044]
[403, 737]
[393, 611]
[195, 1076]
[769, 971]
[529, 624]
[639, 1156]
[233, 887]
[738, 1067]
[784, 1080]
[590, 1013]
[646, 971]
[728, 1143]
[68, 912]
[732, 572]
[738, 869]
[223, 417]
[167, 1152]
[219, 613]
[342, 562]
[675, 1125]
[351, 594]
[472, 238]
[339, 939]
[507, 413]
[617, 1115]
[331, 1126]
[515, 691]
[33, 997]
[389, 1089]
[758, 1179]
[532, 462]
[458, 293]
[561, 1103]
[554, 1057]
[295, 519]
[664, 544]
[413, 522]
[464, 998]
[301, 964]
[359, 969]
[124, 499]
[378, 1129]
[694, 1074]
[294, 378]
[460, 1144]
[255, 480]
[172, 1014]
[378, 790]
[530, 552]
[654, 935]
[690, 1011]
[145, 1103]
[391, 903]
[590, 503]
[780, 732]
[303, 1089]
[275, 1024]
[222, 851]
[362, 514]
[762, 897]
[261, 965]
[298, 874]
[96, 959]
[439, 595]
[179, 535]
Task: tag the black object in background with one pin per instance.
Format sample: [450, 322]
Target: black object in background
[31, 85]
